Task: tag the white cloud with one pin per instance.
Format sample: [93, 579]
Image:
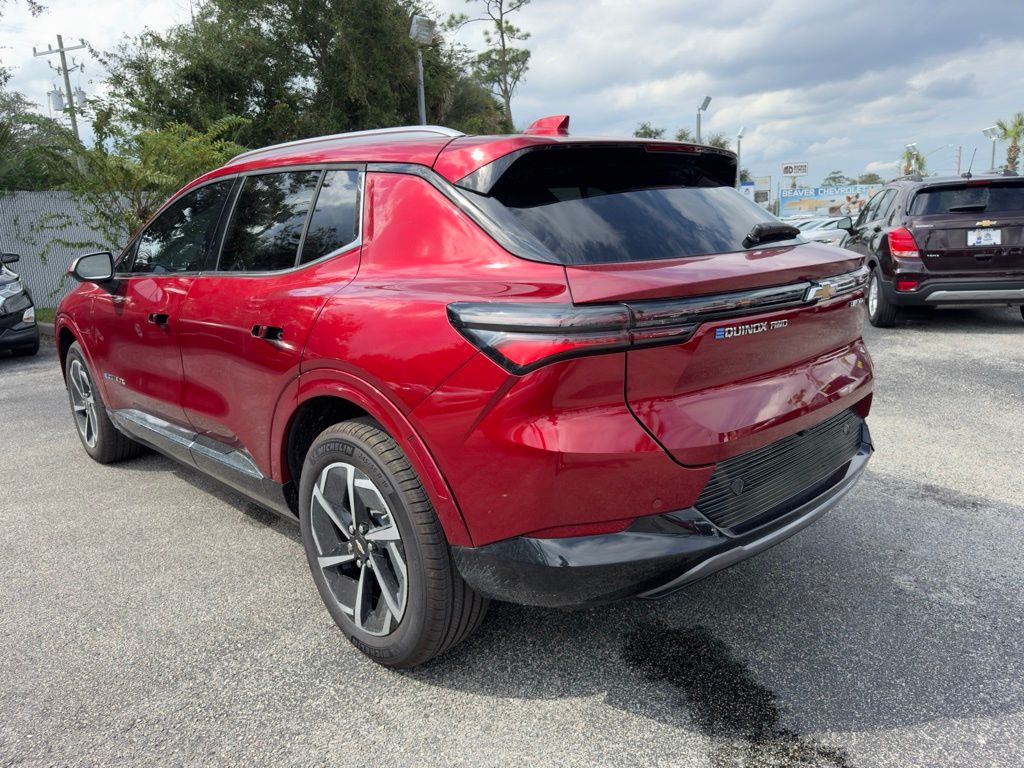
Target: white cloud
[821, 83]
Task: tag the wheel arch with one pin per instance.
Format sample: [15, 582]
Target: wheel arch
[326, 396]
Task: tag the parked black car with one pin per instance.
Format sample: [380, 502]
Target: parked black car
[942, 241]
[18, 330]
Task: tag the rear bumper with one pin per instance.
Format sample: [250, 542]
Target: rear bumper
[936, 292]
[653, 558]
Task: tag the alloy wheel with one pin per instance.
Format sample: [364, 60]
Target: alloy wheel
[359, 549]
[873, 295]
[83, 402]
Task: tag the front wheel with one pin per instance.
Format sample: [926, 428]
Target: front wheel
[100, 438]
[376, 549]
[882, 313]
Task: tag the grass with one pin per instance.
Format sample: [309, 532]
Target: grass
[45, 314]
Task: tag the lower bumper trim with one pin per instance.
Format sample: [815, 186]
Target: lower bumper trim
[653, 558]
[994, 295]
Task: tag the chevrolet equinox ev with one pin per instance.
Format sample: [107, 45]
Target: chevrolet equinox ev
[544, 369]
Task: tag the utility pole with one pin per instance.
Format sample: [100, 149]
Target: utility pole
[958, 150]
[63, 69]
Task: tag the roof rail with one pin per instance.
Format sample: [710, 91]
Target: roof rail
[435, 129]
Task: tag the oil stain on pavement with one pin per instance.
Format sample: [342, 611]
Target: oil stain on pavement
[739, 715]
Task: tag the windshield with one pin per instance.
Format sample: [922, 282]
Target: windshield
[969, 198]
[606, 205]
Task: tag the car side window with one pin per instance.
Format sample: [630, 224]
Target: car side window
[885, 204]
[335, 221]
[866, 211]
[266, 225]
[180, 237]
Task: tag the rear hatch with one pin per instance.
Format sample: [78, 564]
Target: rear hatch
[969, 227]
[735, 343]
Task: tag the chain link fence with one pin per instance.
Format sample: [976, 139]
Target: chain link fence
[27, 227]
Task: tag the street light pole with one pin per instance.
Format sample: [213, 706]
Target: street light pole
[913, 153]
[422, 33]
[992, 132]
[739, 165]
[421, 97]
[701, 108]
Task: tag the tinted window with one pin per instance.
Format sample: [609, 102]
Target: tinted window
[612, 205]
[335, 221]
[969, 198]
[885, 204]
[267, 222]
[180, 237]
[867, 213]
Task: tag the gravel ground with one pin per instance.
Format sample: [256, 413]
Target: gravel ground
[151, 617]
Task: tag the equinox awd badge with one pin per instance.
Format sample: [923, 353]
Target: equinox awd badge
[750, 328]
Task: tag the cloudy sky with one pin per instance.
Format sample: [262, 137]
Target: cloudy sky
[841, 85]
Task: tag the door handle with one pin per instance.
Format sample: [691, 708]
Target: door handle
[159, 318]
[268, 332]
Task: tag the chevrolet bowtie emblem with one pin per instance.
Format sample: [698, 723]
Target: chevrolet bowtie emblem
[820, 292]
[985, 223]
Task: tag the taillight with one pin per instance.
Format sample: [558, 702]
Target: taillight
[902, 244]
[522, 337]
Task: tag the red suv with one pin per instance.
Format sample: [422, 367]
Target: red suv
[550, 370]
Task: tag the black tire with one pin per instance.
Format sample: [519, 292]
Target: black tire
[882, 313]
[440, 609]
[108, 444]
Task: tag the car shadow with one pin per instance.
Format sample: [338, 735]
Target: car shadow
[815, 636]
[152, 461]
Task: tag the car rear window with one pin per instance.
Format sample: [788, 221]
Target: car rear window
[601, 205]
[969, 198]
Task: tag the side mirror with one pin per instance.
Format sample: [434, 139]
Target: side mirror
[845, 223]
[9, 258]
[93, 267]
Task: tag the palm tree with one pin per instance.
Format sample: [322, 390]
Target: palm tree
[1012, 131]
[912, 161]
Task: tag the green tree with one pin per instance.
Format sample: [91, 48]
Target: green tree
[30, 157]
[647, 131]
[719, 140]
[126, 175]
[684, 135]
[836, 179]
[502, 65]
[745, 175]
[1012, 130]
[293, 68]
[869, 178]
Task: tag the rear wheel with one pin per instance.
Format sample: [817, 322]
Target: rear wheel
[100, 438]
[376, 549]
[882, 313]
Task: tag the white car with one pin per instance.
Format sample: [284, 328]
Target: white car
[824, 231]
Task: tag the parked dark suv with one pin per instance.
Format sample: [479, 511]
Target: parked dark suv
[543, 369]
[942, 241]
[18, 330]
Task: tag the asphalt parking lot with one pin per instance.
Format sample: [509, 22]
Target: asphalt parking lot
[151, 617]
